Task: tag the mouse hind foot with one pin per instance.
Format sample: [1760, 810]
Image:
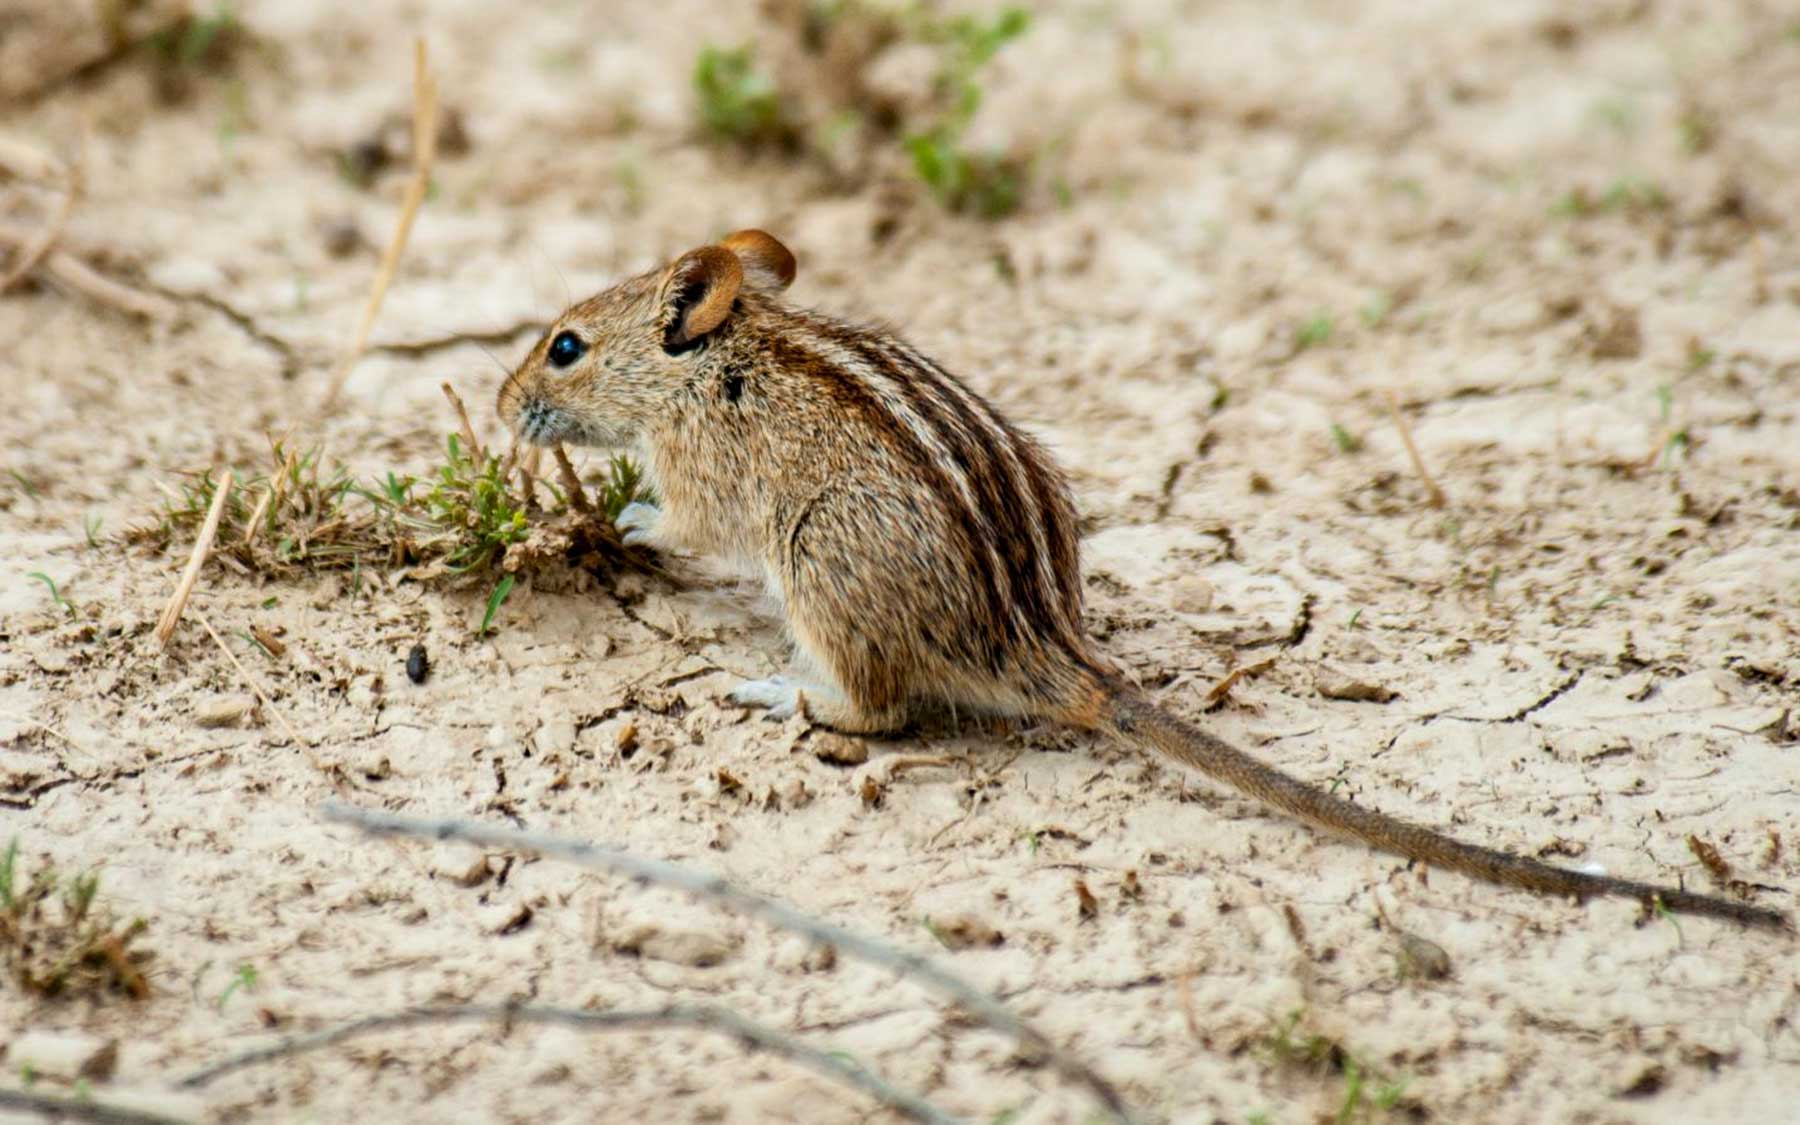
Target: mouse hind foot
[784, 698]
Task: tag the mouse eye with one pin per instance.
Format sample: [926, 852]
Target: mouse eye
[566, 349]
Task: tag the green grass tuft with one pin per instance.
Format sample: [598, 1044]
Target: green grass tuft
[1314, 331]
[57, 940]
[465, 517]
[737, 101]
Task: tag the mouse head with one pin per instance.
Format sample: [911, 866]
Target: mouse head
[610, 365]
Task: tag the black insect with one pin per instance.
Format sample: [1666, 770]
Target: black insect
[418, 665]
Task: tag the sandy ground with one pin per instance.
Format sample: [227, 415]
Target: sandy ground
[1557, 239]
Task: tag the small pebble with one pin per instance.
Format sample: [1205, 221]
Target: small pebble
[418, 665]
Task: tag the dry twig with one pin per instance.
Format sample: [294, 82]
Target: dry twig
[711, 1018]
[424, 149]
[78, 1108]
[976, 1002]
[35, 246]
[165, 627]
[65, 268]
[1434, 494]
[30, 254]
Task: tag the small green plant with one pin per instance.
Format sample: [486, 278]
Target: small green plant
[1697, 130]
[475, 498]
[55, 594]
[193, 41]
[1667, 915]
[90, 525]
[245, 979]
[1627, 194]
[737, 101]
[1390, 1094]
[1345, 441]
[1616, 114]
[1677, 441]
[1314, 331]
[1285, 1044]
[1341, 777]
[9, 872]
[624, 485]
[988, 184]
[494, 602]
[1376, 309]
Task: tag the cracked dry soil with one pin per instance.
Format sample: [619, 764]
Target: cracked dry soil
[1589, 654]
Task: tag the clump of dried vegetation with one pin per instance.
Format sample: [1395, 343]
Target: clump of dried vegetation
[58, 940]
[476, 512]
[818, 97]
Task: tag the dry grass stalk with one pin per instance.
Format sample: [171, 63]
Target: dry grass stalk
[262, 507]
[476, 453]
[571, 483]
[831, 1064]
[424, 147]
[165, 628]
[276, 490]
[249, 680]
[1434, 494]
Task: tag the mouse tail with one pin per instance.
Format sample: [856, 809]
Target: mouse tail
[1131, 715]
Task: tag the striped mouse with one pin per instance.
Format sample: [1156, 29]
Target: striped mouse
[923, 549]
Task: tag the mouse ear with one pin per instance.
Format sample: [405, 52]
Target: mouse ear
[699, 291]
[767, 263]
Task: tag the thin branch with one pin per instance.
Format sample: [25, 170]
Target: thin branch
[1434, 494]
[749, 1032]
[165, 628]
[424, 150]
[54, 1108]
[978, 1003]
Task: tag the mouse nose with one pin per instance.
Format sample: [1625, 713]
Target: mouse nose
[537, 421]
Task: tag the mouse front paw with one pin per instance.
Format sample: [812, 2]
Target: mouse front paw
[637, 524]
[781, 696]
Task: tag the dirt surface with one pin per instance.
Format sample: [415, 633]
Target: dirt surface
[1563, 242]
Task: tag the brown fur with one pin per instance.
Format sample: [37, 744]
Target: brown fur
[924, 550]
